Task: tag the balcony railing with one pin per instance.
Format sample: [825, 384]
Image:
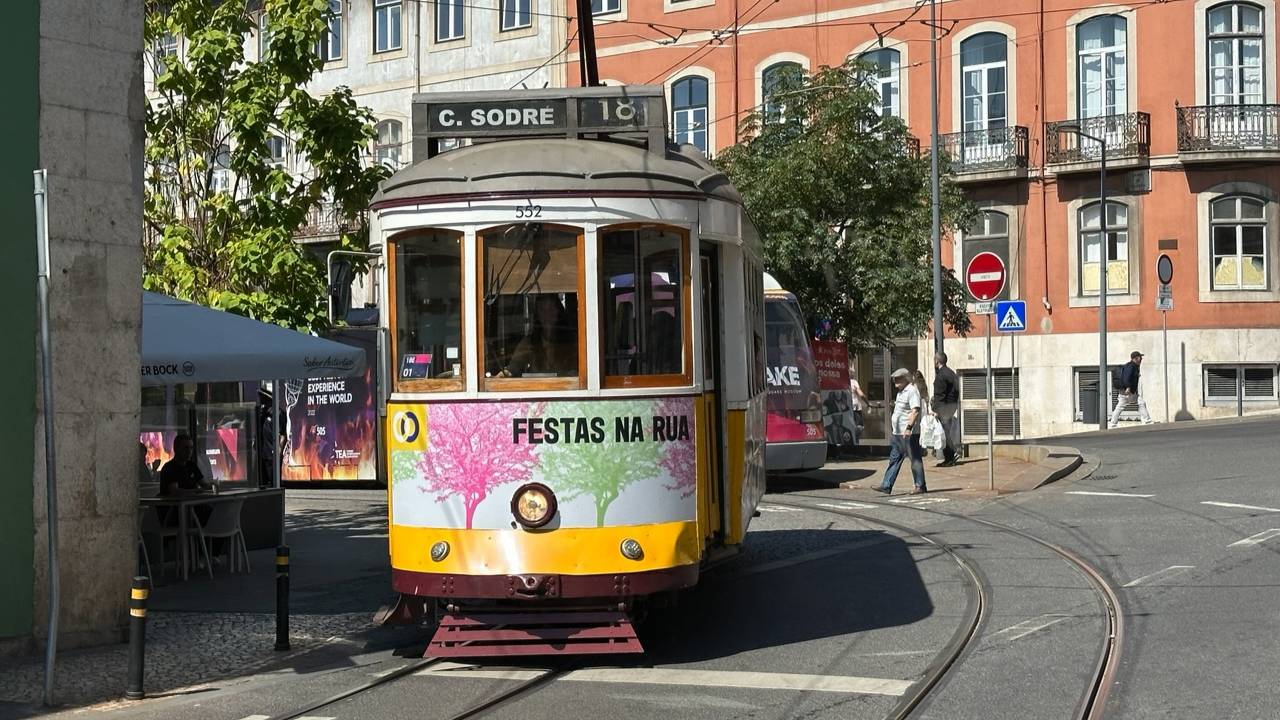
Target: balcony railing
[913, 147]
[322, 222]
[986, 151]
[1228, 128]
[1127, 137]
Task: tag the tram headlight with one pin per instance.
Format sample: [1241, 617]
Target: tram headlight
[440, 551]
[631, 549]
[533, 505]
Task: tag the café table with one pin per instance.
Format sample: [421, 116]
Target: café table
[186, 503]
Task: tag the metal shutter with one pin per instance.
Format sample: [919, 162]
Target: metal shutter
[1220, 382]
[1259, 383]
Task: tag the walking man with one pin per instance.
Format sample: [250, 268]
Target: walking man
[1129, 375]
[906, 434]
[946, 407]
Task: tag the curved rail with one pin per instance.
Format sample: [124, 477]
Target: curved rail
[1093, 703]
[976, 604]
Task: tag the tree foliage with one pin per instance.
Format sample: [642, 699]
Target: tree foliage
[211, 108]
[843, 207]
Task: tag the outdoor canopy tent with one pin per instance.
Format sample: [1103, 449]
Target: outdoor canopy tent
[187, 343]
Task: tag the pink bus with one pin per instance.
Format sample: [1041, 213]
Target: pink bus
[794, 435]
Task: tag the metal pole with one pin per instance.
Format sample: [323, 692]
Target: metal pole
[50, 457]
[991, 420]
[137, 637]
[277, 387]
[1164, 334]
[933, 178]
[1104, 398]
[282, 597]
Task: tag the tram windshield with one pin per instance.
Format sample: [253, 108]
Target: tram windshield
[642, 302]
[531, 318]
[428, 308]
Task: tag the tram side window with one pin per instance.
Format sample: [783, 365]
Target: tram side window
[428, 309]
[642, 295]
[531, 303]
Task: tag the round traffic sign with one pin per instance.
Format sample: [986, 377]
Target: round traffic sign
[1164, 269]
[984, 277]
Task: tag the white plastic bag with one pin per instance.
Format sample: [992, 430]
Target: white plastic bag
[932, 435]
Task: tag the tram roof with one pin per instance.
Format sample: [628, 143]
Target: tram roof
[546, 166]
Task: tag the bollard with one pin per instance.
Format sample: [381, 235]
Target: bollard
[137, 636]
[282, 597]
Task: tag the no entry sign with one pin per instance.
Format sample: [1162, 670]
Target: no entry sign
[984, 277]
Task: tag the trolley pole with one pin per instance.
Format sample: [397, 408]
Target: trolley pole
[282, 597]
[991, 424]
[137, 637]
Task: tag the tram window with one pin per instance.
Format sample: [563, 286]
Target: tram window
[428, 310]
[531, 313]
[642, 294]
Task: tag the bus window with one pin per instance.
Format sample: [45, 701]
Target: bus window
[793, 398]
[642, 298]
[428, 310]
[530, 312]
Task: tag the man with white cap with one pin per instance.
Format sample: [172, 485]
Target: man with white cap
[906, 434]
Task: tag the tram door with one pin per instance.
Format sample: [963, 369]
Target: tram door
[711, 398]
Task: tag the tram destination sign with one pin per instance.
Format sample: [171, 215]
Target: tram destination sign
[571, 112]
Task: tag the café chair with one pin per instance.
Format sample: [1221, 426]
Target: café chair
[149, 525]
[224, 524]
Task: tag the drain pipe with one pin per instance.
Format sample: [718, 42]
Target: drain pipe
[50, 459]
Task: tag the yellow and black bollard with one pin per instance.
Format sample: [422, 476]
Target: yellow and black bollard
[137, 636]
[282, 597]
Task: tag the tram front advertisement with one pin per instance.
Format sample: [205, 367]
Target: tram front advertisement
[575, 339]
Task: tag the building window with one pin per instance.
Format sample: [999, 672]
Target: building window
[330, 46]
[264, 36]
[1235, 54]
[449, 20]
[1090, 232]
[386, 148]
[1101, 47]
[604, 7]
[1234, 383]
[642, 303]
[166, 47]
[885, 79]
[689, 112]
[775, 82]
[386, 25]
[516, 14]
[220, 177]
[983, 80]
[1238, 243]
[989, 225]
[973, 397]
[276, 151]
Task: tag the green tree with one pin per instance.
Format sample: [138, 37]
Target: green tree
[843, 206]
[220, 215]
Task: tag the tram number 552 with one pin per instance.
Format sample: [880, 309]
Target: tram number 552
[528, 211]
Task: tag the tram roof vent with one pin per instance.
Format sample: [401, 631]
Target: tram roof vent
[633, 112]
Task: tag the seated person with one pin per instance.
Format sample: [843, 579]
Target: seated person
[551, 347]
[182, 476]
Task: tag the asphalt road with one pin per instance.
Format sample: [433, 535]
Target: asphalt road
[827, 616]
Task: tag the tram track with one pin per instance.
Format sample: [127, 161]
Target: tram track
[1092, 705]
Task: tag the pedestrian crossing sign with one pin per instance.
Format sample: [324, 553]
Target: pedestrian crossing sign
[1011, 316]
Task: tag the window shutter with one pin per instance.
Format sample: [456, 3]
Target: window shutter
[1259, 383]
[973, 386]
[1220, 382]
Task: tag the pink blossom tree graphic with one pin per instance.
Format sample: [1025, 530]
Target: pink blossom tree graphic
[602, 470]
[680, 458]
[470, 452]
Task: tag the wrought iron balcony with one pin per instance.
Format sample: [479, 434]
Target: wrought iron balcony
[994, 154]
[913, 147]
[1213, 132]
[1128, 139]
[322, 225]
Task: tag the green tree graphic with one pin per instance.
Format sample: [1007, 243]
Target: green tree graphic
[601, 470]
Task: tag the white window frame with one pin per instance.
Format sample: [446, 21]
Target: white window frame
[1240, 395]
[1239, 223]
[607, 7]
[984, 94]
[166, 46]
[780, 108]
[522, 12]
[264, 36]
[1236, 39]
[1011, 70]
[334, 35]
[887, 78]
[388, 152]
[388, 20]
[1118, 82]
[1202, 59]
[690, 113]
[220, 176]
[280, 159]
[451, 18]
[1117, 230]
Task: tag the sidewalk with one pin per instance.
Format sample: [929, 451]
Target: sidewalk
[1018, 468]
[202, 630]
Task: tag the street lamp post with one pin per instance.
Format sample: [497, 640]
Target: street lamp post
[1103, 396]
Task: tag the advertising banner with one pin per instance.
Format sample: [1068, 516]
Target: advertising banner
[333, 422]
[831, 359]
[615, 462]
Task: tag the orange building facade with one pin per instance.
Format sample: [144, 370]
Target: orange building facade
[1183, 92]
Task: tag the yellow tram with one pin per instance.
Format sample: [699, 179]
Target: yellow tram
[575, 411]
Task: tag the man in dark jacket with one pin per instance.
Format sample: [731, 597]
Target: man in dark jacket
[1129, 376]
[946, 406]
